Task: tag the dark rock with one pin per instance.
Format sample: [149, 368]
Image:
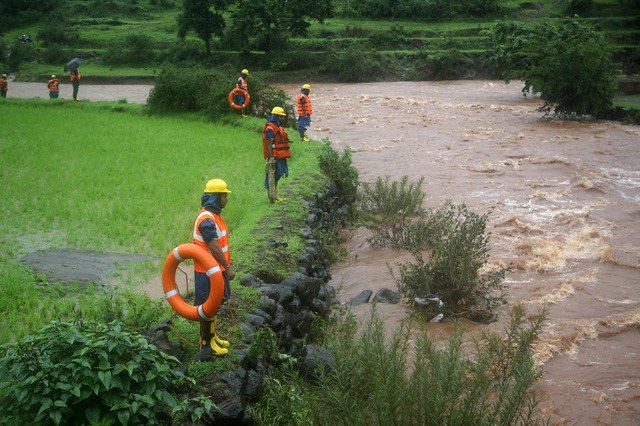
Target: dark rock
[360, 299]
[386, 295]
[253, 386]
[314, 357]
[250, 281]
[267, 304]
[256, 321]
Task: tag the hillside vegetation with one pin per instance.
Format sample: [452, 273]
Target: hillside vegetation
[344, 40]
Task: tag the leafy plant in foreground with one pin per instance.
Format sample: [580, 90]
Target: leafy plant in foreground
[75, 373]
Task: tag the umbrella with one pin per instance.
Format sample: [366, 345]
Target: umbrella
[73, 64]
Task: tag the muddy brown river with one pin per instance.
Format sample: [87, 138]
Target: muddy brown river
[564, 198]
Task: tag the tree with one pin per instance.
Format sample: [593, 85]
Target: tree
[198, 16]
[567, 63]
[271, 22]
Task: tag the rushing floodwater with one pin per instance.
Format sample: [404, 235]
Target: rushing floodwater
[564, 198]
[565, 203]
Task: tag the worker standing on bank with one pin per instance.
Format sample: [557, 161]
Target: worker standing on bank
[211, 233]
[4, 85]
[53, 86]
[304, 112]
[241, 89]
[75, 76]
[275, 147]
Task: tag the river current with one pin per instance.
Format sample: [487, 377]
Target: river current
[564, 203]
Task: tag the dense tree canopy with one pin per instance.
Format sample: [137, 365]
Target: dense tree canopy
[272, 22]
[197, 16]
[568, 63]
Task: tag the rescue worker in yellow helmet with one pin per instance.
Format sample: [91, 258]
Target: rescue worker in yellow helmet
[53, 85]
[211, 233]
[241, 89]
[304, 112]
[275, 147]
[4, 85]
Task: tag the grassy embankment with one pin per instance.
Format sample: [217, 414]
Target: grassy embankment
[107, 178]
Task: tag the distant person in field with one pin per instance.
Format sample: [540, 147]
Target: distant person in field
[75, 76]
[241, 89]
[275, 147]
[53, 86]
[211, 233]
[304, 112]
[4, 85]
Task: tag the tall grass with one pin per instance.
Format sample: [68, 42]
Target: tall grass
[411, 380]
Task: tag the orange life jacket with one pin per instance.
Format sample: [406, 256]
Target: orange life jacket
[53, 84]
[242, 83]
[74, 76]
[280, 145]
[307, 105]
[3, 84]
[223, 237]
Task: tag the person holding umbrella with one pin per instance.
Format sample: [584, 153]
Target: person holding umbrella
[53, 87]
[75, 75]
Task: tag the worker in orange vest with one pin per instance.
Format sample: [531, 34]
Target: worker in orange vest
[275, 148]
[53, 84]
[304, 112]
[241, 89]
[4, 85]
[76, 76]
[211, 233]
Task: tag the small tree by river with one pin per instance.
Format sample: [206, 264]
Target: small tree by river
[568, 63]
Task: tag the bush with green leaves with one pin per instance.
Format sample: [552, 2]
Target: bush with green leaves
[389, 207]
[339, 169]
[85, 373]
[206, 90]
[568, 63]
[452, 270]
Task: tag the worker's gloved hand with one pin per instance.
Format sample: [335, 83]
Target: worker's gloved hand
[271, 160]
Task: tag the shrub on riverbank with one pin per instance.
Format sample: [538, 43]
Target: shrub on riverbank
[449, 245]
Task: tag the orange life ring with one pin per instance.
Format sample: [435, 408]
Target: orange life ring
[232, 96]
[209, 308]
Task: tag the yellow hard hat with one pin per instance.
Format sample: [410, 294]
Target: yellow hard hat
[53, 76]
[216, 185]
[306, 86]
[245, 71]
[278, 111]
